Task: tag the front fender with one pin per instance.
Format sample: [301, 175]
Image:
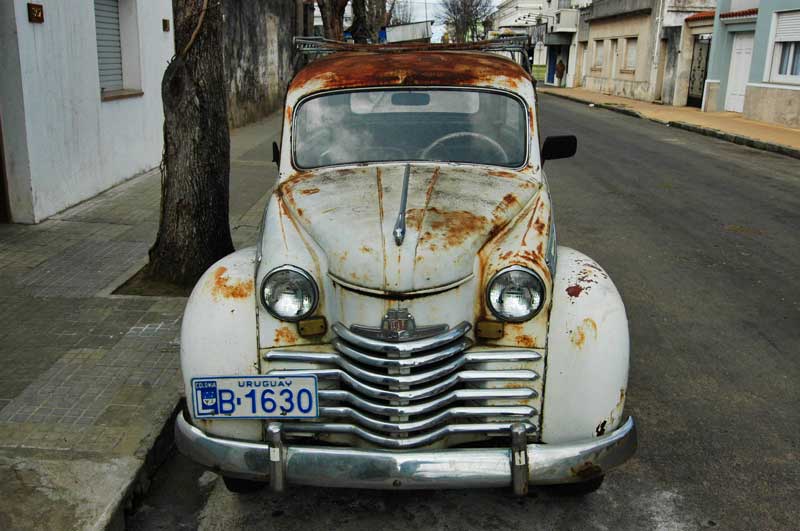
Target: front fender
[587, 352]
[219, 334]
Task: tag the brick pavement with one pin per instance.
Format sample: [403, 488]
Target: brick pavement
[89, 379]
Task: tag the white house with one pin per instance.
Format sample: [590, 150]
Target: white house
[80, 99]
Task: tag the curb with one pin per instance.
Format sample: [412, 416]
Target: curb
[140, 483]
[706, 131]
[738, 139]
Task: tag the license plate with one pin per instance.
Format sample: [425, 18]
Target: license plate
[256, 397]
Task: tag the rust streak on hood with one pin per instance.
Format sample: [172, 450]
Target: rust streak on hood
[451, 213]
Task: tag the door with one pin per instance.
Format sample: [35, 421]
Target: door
[698, 70]
[741, 54]
[552, 54]
[5, 216]
[662, 67]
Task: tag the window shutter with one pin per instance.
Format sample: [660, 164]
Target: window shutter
[109, 51]
[788, 27]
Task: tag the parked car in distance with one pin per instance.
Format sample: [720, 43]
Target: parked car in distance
[407, 320]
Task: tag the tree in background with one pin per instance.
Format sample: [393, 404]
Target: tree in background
[402, 13]
[194, 230]
[332, 18]
[463, 16]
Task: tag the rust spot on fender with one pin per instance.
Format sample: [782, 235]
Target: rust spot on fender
[310, 191]
[285, 336]
[574, 291]
[300, 212]
[587, 326]
[288, 113]
[540, 249]
[578, 337]
[525, 340]
[222, 286]
[366, 250]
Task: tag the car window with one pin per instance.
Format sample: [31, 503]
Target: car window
[468, 126]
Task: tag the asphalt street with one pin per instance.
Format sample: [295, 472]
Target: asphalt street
[702, 237]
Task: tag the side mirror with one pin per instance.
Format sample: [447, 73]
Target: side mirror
[559, 147]
[276, 153]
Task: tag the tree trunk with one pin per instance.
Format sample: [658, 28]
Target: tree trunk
[194, 231]
[332, 12]
[360, 30]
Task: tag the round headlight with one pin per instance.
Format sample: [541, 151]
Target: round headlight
[289, 293]
[515, 294]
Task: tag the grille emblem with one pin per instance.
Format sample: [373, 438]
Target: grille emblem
[398, 322]
[398, 325]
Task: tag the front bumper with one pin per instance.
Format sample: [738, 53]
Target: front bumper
[543, 464]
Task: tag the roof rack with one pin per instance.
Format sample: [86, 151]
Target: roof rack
[317, 46]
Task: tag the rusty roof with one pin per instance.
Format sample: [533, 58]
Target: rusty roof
[752, 12]
[702, 15]
[386, 67]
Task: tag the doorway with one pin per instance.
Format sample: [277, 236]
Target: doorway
[741, 55]
[5, 214]
[698, 70]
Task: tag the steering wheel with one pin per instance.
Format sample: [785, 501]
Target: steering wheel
[465, 134]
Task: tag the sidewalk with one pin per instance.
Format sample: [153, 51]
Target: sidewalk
[90, 380]
[728, 126]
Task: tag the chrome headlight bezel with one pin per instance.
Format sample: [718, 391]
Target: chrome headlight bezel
[531, 314]
[296, 270]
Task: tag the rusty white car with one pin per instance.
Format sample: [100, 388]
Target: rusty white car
[407, 320]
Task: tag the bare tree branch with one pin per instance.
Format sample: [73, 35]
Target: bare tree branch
[463, 16]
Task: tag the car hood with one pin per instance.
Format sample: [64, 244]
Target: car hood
[451, 212]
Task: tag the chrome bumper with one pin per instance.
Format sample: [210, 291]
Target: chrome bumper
[410, 469]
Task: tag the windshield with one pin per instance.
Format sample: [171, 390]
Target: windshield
[478, 127]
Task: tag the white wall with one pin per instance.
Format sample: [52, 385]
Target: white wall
[77, 144]
[12, 118]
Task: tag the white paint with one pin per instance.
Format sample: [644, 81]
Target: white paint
[63, 144]
[587, 352]
[218, 334]
[741, 55]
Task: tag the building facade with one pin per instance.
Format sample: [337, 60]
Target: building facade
[80, 99]
[755, 61]
[633, 48]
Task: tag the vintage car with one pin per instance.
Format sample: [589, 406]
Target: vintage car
[406, 320]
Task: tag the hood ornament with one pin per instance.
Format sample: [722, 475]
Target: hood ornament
[400, 225]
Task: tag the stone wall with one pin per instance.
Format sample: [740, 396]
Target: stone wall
[258, 56]
[772, 104]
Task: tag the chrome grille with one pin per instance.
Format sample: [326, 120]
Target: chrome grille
[414, 393]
